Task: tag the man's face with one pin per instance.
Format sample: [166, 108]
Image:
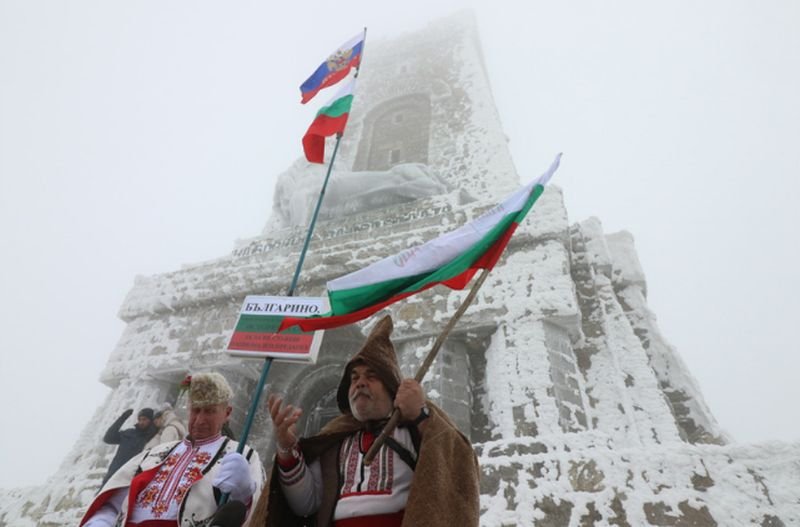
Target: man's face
[207, 421]
[369, 398]
[142, 422]
[159, 421]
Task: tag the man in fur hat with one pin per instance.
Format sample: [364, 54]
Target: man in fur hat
[179, 483]
[425, 474]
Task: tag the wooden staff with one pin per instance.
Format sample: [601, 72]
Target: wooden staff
[388, 430]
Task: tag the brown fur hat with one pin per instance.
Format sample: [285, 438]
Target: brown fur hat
[208, 389]
[377, 353]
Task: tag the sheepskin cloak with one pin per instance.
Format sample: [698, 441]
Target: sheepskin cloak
[444, 491]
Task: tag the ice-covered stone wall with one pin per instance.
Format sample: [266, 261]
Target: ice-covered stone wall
[580, 411]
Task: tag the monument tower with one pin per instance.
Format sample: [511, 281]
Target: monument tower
[580, 411]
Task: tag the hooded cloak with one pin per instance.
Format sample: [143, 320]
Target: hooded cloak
[445, 488]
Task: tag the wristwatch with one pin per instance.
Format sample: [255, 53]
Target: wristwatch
[424, 413]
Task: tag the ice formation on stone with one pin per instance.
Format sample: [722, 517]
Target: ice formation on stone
[580, 411]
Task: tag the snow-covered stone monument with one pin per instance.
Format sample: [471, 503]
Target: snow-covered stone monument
[580, 411]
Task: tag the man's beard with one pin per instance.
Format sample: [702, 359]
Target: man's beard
[359, 391]
[370, 410]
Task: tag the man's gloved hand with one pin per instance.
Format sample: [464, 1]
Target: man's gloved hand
[127, 413]
[234, 477]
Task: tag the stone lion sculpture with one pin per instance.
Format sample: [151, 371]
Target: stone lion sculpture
[297, 190]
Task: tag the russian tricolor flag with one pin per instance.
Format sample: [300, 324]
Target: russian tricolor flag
[335, 68]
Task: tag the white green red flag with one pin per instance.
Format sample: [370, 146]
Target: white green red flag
[331, 119]
[451, 260]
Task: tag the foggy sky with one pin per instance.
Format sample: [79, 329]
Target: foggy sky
[139, 136]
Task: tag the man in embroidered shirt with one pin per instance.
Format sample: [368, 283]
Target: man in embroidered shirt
[178, 483]
[426, 473]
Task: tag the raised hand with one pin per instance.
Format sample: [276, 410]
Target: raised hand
[285, 422]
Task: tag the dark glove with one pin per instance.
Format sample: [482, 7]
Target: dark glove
[112, 435]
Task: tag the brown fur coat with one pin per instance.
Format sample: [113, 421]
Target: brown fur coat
[444, 491]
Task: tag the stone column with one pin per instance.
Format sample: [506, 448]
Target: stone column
[447, 382]
[519, 389]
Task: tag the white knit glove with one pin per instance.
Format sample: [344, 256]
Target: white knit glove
[234, 477]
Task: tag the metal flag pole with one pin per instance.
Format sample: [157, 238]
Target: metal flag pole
[262, 380]
[313, 220]
[322, 191]
[388, 429]
[251, 413]
[268, 361]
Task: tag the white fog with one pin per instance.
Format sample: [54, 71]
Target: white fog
[137, 137]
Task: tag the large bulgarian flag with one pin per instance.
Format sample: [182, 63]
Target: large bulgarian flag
[451, 259]
[331, 119]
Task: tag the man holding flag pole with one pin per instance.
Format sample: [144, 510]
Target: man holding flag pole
[423, 472]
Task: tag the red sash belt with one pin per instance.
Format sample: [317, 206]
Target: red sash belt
[379, 520]
[153, 523]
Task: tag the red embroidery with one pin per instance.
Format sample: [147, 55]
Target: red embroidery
[350, 460]
[378, 478]
[172, 481]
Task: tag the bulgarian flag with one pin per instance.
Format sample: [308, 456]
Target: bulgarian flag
[335, 68]
[451, 259]
[331, 119]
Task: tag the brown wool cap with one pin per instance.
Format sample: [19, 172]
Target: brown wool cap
[377, 353]
[208, 389]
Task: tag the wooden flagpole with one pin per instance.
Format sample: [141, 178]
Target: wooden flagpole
[426, 364]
